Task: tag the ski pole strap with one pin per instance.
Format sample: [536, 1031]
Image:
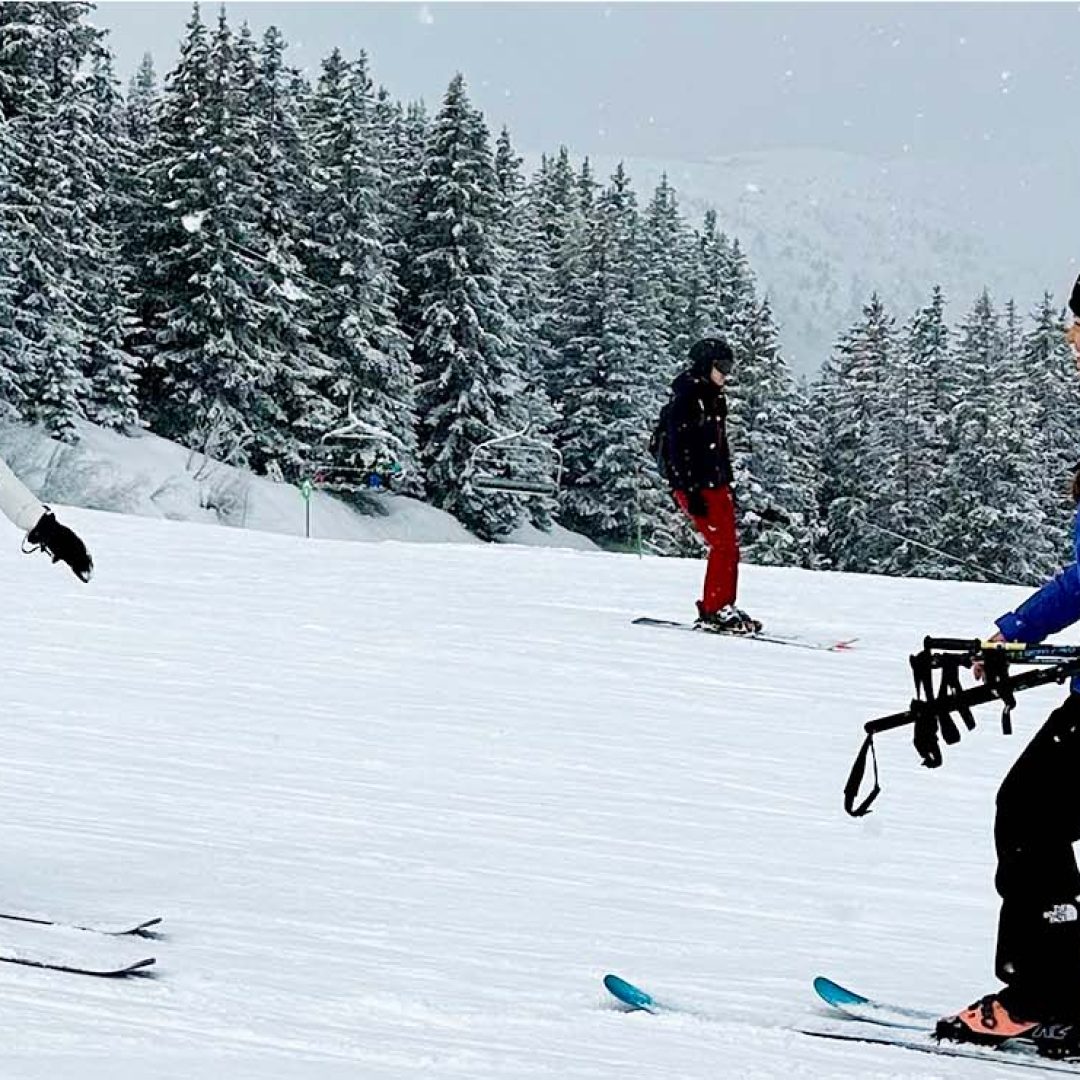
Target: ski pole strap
[926, 732]
[996, 676]
[855, 779]
[950, 687]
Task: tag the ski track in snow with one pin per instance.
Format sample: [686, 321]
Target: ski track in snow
[403, 805]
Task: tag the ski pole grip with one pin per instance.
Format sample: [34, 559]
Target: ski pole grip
[888, 723]
[952, 644]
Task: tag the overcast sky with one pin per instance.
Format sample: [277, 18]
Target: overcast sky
[966, 82]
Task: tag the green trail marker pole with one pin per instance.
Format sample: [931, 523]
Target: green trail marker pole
[305, 490]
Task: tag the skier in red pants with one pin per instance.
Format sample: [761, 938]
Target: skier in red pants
[699, 471]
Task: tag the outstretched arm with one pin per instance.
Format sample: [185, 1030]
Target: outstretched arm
[1055, 606]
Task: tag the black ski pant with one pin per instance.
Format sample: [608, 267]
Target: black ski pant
[1038, 819]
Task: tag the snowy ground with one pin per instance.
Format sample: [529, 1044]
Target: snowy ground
[403, 805]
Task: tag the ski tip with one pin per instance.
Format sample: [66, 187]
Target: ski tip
[628, 994]
[139, 966]
[143, 929]
[844, 646]
[835, 994]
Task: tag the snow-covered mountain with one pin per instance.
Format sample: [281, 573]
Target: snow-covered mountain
[824, 229]
[402, 805]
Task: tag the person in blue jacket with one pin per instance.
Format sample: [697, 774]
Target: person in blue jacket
[1037, 823]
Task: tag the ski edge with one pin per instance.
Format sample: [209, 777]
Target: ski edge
[877, 1035]
[134, 968]
[843, 645]
[142, 929]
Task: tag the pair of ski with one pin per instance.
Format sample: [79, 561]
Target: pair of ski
[771, 639]
[79, 949]
[866, 1020]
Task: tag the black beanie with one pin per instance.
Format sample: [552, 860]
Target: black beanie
[709, 353]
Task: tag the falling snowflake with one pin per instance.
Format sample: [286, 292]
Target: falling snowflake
[193, 222]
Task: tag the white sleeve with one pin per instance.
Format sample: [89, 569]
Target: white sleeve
[17, 501]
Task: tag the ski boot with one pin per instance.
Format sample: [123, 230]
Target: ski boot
[1057, 1040]
[728, 620]
[754, 624]
[986, 1022]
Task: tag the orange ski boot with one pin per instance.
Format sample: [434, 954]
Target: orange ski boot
[986, 1022]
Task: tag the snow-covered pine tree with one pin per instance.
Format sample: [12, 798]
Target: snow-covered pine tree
[289, 412]
[710, 253]
[470, 390]
[23, 105]
[993, 515]
[554, 199]
[106, 275]
[700, 263]
[847, 400]
[135, 194]
[913, 405]
[774, 452]
[46, 218]
[526, 287]
[669, 257]
[615, 381]
[401, 134]
[1050, 371]
[197, 282]
[140, 106]
[349, 255]
[738, 297]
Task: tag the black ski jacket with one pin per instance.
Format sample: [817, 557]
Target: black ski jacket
[698, 454]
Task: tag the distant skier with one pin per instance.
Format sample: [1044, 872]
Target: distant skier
[1038, 821]
[43, 531]
[698, 467]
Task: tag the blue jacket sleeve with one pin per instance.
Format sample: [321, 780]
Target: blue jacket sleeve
[1055, 606]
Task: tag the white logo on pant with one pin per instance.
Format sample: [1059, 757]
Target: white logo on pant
[1061, 913]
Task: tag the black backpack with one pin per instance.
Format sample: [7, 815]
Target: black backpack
[658, 442]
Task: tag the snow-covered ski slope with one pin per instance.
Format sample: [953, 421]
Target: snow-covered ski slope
[403, 805]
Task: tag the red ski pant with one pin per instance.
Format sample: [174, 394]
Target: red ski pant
[717, 526]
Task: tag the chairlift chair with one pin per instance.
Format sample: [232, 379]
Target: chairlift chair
[352, 436]
[503, 463]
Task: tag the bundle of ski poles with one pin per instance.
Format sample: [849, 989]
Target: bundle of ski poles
[931, 712]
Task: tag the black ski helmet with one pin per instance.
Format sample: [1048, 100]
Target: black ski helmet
[709, 353]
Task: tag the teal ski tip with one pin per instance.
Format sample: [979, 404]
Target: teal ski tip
[835, 994]
[629, 994]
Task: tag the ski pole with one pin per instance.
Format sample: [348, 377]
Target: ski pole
[934, 715]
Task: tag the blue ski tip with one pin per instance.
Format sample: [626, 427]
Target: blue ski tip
[835, 994]
[629, 994]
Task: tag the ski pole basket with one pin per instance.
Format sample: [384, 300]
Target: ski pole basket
[517, 464]
[931, 710]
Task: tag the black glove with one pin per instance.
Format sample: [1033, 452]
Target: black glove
[62, 544]
[695, 503]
